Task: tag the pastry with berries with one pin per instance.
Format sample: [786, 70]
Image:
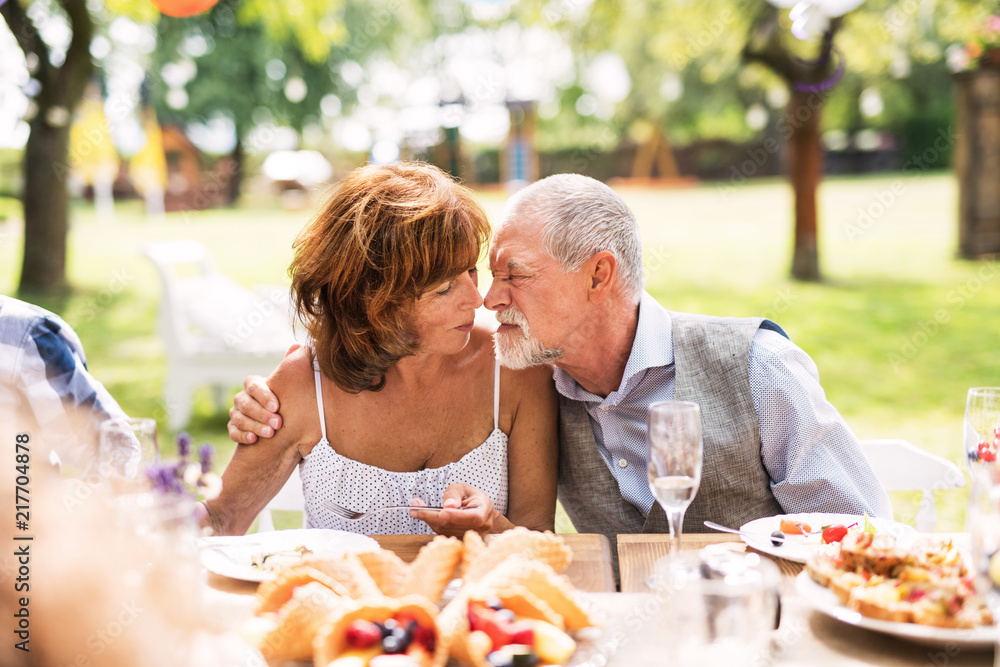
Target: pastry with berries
[381, 632]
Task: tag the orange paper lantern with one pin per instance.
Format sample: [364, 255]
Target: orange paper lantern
[183, 7]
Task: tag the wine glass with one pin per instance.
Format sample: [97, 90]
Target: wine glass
[126, 445]
[675, 453]
[982, 426]
[984, 527]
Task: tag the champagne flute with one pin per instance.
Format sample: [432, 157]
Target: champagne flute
[984, 528]
[125, 446]
[982, 427]
[675, 455]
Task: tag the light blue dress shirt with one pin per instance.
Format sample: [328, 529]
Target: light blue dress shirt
[44, 379]
[813, 459]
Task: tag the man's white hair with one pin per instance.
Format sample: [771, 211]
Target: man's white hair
[578, 216]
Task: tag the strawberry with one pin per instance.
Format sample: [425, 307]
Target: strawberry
[522, 632]
[486, 620]
[362, 634]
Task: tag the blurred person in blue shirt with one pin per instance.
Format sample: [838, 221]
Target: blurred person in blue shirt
[46, 390]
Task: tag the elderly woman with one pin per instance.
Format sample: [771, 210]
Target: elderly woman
[399, 396]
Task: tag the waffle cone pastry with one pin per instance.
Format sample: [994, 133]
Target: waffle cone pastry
[472, 631]
[545, 547]
[427, 575]
[543, 582]
[344, 634]
[347, 570]
[387, 570]
[273, 594]
[296, 623]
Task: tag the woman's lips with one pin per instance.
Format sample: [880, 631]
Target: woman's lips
[466, 328]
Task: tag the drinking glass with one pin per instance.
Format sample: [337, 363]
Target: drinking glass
[984, 527]
[126, 445]
[717, 607]
[674, 438]
[982, 426]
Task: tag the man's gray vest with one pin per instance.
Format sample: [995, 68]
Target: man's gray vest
[711, 357]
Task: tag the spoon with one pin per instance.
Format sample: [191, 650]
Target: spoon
[777, 541]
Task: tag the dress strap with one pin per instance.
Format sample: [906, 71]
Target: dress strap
[496, 394]
[319, 396]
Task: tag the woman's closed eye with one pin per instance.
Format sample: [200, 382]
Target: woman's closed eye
[473, 273]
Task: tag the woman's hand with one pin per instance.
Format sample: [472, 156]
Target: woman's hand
[466, 508]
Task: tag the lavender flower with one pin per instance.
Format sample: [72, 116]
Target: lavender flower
[205, 454]
[165, 478]
[183, 445]
[184, 477]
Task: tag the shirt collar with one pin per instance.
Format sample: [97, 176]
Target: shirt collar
[652, 347]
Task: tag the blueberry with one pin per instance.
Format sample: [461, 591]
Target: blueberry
[506, 615]
[493, 602]
[777, 538]
[500, 659]
[394, 644]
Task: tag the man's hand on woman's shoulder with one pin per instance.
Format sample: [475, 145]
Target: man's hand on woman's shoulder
[254, 413]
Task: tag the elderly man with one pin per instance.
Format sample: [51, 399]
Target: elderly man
[46, 391]
[568, 290]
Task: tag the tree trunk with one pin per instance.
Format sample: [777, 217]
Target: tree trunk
[809, 81]
[236, 177]
[46, 155]
[805, 166]
[46, 210]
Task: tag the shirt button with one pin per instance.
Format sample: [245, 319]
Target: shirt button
[622, 463]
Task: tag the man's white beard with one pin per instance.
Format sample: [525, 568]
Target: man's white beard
[518, 349]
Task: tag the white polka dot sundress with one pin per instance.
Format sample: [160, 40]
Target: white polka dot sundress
[327, 475]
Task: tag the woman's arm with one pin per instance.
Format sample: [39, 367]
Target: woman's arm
[533, 451]
[256, 474]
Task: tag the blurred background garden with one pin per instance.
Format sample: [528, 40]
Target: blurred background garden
[833, 165]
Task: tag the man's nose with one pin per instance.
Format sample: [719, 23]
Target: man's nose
[497, 297]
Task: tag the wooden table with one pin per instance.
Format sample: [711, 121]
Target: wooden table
[590, 570]
[805, 637]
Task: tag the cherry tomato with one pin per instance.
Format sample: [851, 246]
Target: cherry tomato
[834, 533]
[987, 452]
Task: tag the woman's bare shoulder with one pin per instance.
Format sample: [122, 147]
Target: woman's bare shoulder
[293, 371]
[293, 382]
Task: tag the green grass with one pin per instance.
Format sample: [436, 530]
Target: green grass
[870, 326]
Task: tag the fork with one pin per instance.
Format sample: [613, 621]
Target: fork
[351, 515]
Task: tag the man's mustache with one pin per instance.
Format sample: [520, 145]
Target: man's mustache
[511, 316]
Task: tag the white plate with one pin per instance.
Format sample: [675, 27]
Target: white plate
[824, 601]
[231, 556]
[799, 548]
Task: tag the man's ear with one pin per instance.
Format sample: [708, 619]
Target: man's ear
[602, 269]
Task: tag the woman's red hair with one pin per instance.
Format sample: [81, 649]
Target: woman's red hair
[386, 235]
